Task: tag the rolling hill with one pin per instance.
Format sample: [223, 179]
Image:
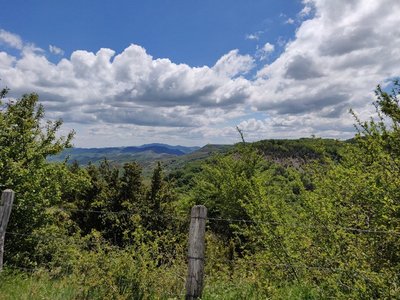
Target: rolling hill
[120, 155]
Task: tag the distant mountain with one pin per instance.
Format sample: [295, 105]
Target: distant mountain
[174, 158]
[200, 154]
[118, 155]
[183, 149]
[183, 159]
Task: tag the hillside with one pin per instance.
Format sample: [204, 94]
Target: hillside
[181, 159]
[119, 155]
[172, 157]
[296, 152]
[195, 156]
[285, 152]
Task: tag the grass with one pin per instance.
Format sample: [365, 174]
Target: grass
[251, 291]
[22, 286]
[40, 286]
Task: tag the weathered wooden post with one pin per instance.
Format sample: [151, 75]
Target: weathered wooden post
[7, 199]
[195, 277]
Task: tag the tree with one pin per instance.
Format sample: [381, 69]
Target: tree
[355, 208]
[157, 209]
[25, 142]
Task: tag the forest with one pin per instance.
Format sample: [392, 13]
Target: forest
[311, 218]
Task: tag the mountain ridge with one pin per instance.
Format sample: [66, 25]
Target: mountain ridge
[122, 154]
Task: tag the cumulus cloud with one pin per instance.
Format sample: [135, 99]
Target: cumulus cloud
[232, 64]
[282, 127]
[301, 67]
[10, 39]
[335, 60]
[131, 87]
[55, 50]
[263, 52]
[309, 6]
[340, 51]
[6, 61]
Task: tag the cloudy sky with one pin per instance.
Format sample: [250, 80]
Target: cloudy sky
[188, 71]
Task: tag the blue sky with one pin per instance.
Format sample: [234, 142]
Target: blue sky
[188, 72]
[186, 31]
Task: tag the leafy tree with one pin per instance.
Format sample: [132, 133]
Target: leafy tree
[131, 184]
[25, 142]
[128, 199]
[155, 188]
[109, 201]
[355, 209]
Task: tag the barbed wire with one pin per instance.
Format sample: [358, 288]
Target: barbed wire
[121, 212]
[25, 269]
[97, 241]
[232, 220]
[52, 236]
[350, 272]
[108, 212]
[244, 221]
[83, 240]
[332, 269]
[311, 226]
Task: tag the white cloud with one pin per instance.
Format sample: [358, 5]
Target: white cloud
[255, 36]
[289, 21]
[252, 37]
[232, 64]
[131, 87]
[264, 52]
[308, 8]
[10, 39]
[334, 62]
[14, 41]
[305, 11]
[55, 50]
[338, 55]
[267, 48]
[6, 61]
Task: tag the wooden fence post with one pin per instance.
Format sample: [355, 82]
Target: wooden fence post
[7, 199]
[194, 280]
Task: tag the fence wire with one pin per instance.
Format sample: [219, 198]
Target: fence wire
[350, 229]
[235, 220]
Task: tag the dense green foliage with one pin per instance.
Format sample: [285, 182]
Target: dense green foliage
[288, 219]
[25, 143]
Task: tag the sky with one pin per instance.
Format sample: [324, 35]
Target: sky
[188, 72]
